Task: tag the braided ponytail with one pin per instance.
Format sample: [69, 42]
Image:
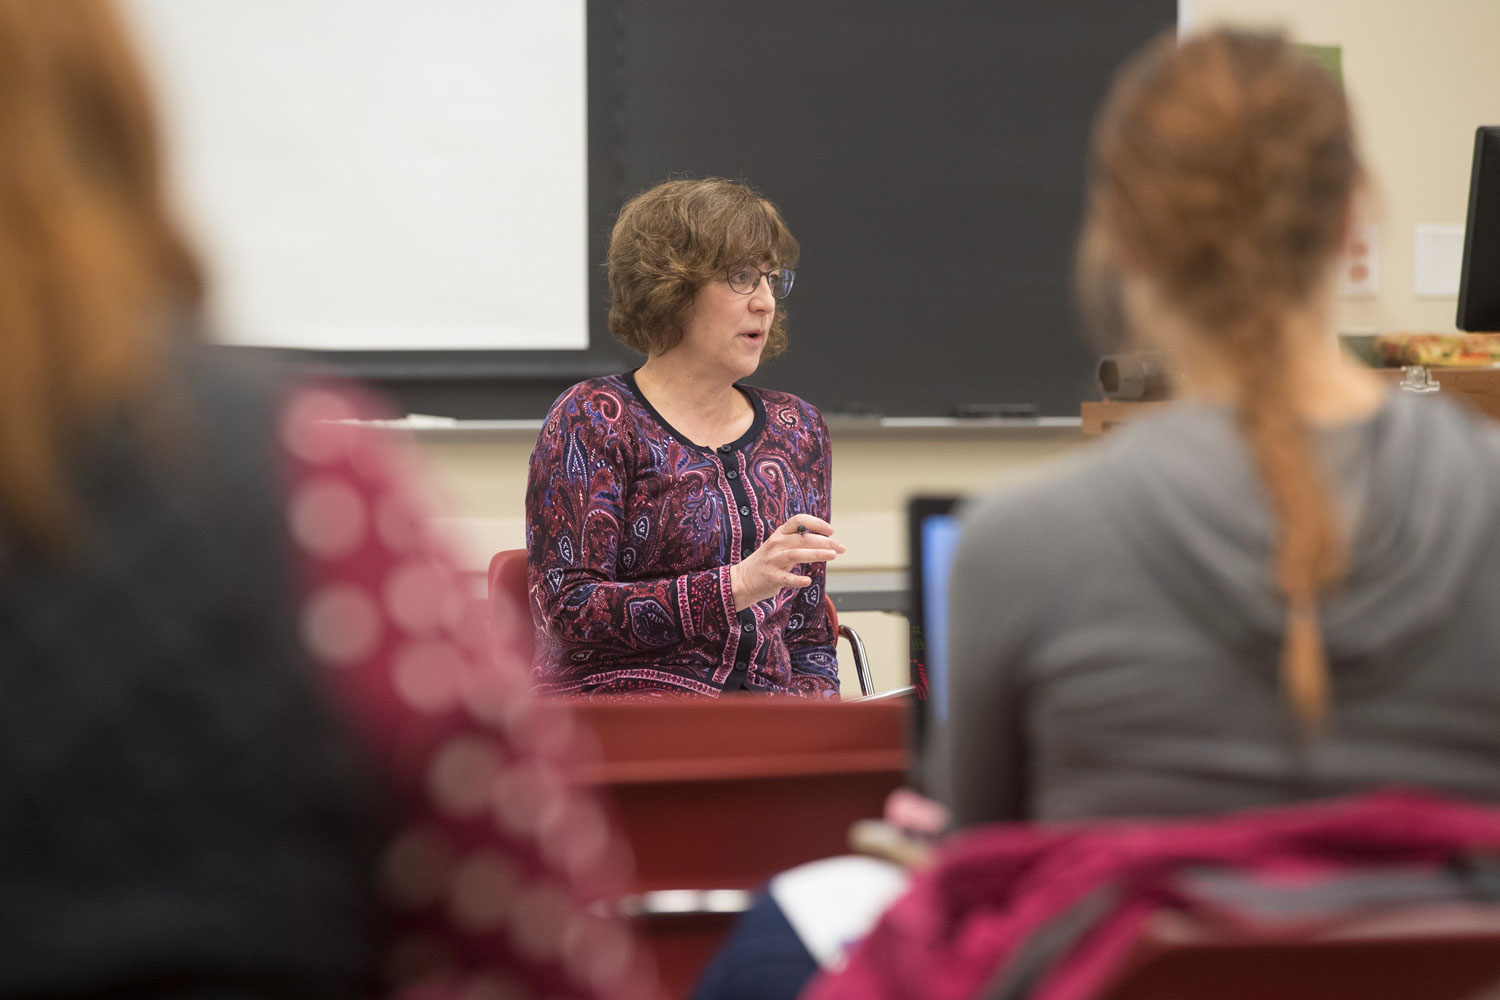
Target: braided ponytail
[1310, 552]
[1223, 170]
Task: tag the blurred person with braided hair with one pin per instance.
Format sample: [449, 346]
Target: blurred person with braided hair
[1281, 586]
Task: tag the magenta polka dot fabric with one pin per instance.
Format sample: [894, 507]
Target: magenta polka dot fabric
[489, 876]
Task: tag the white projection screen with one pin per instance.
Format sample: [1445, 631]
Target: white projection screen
[380, 174]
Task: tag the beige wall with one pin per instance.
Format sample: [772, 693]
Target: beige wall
[1421, 75]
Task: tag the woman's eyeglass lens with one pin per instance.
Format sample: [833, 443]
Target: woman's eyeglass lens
[746, 279]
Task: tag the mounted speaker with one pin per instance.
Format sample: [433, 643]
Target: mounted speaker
[1138, 376]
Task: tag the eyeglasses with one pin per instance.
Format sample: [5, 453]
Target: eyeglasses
[747, 279]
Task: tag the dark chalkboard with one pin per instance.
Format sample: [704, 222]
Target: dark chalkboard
[929, 156]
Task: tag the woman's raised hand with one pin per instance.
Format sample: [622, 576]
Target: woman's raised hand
[764, 572]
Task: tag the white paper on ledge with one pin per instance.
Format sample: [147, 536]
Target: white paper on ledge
[833, 903]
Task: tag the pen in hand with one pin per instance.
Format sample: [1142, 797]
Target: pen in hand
[785, 559]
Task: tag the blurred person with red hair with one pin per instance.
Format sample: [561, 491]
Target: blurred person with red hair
[246, 748]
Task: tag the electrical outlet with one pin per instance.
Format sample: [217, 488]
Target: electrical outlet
[1359, 264]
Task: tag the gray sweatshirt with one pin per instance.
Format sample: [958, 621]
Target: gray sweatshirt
[1115, 630]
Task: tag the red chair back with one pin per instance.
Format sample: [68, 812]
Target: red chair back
[511, 631]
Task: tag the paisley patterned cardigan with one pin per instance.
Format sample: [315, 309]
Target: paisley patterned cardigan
[631, 530]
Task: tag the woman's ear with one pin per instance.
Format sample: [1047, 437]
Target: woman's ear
[1098, 277]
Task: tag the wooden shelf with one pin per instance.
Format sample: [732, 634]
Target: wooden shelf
[1478, 387]
[1107, 414]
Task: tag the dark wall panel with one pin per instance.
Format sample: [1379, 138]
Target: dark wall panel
[929, 157]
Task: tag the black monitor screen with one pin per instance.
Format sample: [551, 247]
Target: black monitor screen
[1479, 282]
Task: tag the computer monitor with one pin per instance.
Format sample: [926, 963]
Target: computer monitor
[932, 537]
[1479, 281]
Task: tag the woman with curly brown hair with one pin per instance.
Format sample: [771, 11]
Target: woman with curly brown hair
[1279, 587]
[677, 520]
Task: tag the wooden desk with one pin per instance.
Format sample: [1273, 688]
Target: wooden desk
[721, 794]
[1107, 414]
[1479, 387]
[1447, 951]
